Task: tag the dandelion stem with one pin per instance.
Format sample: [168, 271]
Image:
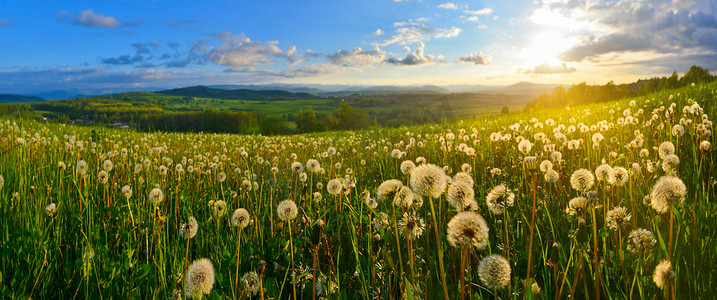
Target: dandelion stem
[530, 247]
[236, 274]
[440, 252]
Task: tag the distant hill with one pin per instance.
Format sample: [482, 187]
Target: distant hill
[240, 94]
[527, 88]
[13, 98]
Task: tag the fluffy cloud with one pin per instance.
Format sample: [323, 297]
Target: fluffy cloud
[123, 60]
[625, 26]
[89, 18]
[357, 58]
[448, 5]
[484, 12]
[411, 31]
[378, 32]
[477, 58]
[239, 52]
[448, 33]
[548, 69]
[415, 58]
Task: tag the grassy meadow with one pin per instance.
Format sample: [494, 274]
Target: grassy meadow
[606, 201]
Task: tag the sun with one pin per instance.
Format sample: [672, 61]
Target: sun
[545, 48]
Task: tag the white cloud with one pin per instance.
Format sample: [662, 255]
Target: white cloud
[357, 58]
[472, 18]
[448, 33]
[89, 18]
[448, 5]
[378, 32]
[480, 12]
[477, 58]
[415, 58]
[239, 52]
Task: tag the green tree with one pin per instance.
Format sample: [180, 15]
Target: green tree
[505, 110]
[272, 125]
[306, 121]
[350, 118]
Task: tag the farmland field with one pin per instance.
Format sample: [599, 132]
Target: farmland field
[604, 201]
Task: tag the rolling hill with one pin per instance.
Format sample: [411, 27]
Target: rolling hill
[239, 94]
[13, 98]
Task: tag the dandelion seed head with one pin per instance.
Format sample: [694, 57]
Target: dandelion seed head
[664, 275]
[460, 194]
[156, 196]
[499, 198]
[220, 208]
[407, 166]
[250, 283]
[667, 192]
[241, 218]
[463, 177]
[577, 206]
[665, 149]
[670, 164]
[494, 272]
[603, 172]
[411, 226]
[50, 209]
[619, 176]
[108, 165]
[404, 197]
[127, 191]
[189, 229]
[199, 278]
[388, 189]
[582, 180]
[551, 176]
[287, 210]
[428, 180]
[640, 241]
[468, 229]
[618, 217]
[334, 186]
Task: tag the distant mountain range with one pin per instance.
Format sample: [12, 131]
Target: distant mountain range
[293, 91]
[13, 98]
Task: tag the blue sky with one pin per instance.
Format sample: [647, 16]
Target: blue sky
[133, 44]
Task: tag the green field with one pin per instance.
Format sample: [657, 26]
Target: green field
[82, 215]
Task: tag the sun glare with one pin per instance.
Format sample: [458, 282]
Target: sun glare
[545, 48]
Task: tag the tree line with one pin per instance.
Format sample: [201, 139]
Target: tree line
[583, 93]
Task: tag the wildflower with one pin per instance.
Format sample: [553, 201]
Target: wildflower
[428, 180]
[287, 210]
[404, 197]
[50, 209]
[468, 229]
[495, 172]
[107, 165]
[407, 166]
[582, 180]
[466, 168]
[199, 278]
[103, 177]
[317, 196]
[464, 178]
[705, 146]
[619, 176]
[617, 217]
[678, 130]
[494, 271]
[334, 186]
[388, 189]
[525, 146]
[303, 177]
[189, 230]
[127, 191]
[297, 167]
[380, 221]
[667, 192]
[250, 283]
[61, 166]
[82, 168]
[219, 208]
[221, 177]
[665, 149]
[459, 194]
[551, 176]
[603, 172]
[312, 165]
[640, 241]
[545, 166]
[556, 156]
[241, 218]
[664, 275]
[576, 206]
[670, 164]
[156, 196]
[499, 198]
[411, 226]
